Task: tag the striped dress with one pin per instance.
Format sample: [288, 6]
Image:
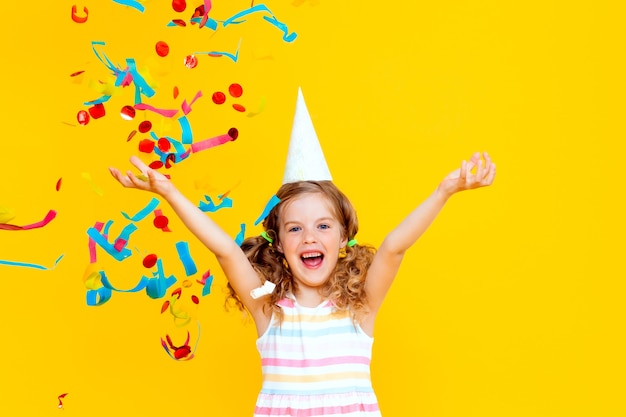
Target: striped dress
[317, 363]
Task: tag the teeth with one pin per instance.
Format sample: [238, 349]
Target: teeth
[311, 255]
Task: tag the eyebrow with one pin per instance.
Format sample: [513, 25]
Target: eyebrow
[321, 219]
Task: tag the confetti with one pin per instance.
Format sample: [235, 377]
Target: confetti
[6, 214]
[179, 5]
[97, 111]
[30, 265]
[218, 97]
[127, 113]
[62, 395]
[268, 207]
[149, 260]
[47, 219]
[58, 185]
[82, 117]
[235, 90]
[87, 177]
[145, 126]
[144, 212]
[131, 3]
[79, 19]
[162, 49]
[210, 143]
[185, 257]
[191, 61]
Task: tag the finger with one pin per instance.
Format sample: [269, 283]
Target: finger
[480, 172]
[490, 175]
[463, 171]
[138, 163]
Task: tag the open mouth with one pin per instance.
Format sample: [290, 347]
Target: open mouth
[312, 259]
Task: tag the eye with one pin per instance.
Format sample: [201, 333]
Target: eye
[324, 226]
[294, 229]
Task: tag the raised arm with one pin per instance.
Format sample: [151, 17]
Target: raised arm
[231, 258]
[473, 174]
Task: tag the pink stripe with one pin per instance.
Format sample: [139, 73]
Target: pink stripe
[303, 363]
[317, 411]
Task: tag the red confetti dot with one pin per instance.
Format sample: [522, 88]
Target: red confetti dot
[195, 299]
[182, 352]
[164, 145]
[131, 135]
[191, 61]
[160, 222]
[175, 93]
[218, 97]
[156, 164]
[179, 22]
[239, 108]
[150, 260]
[58, 186]
[74, 74]
[164, 307]
[82, 117]
[233, 133]
[97, 111]
[146, 145]
[162, 48]
[127, 113]
[179, 5]
[235, 90]
[145, 126]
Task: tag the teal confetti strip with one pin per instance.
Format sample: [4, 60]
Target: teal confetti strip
[143, 282]
[144, 212]
[240, 236]
[99, 296]
[210, 206]
[206, 289]
[109, 247]
[30, 265]
[185, 257]
[268, 207]
[158, 285]
[131, 3]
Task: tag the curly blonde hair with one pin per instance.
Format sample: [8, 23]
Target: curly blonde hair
[345, 288]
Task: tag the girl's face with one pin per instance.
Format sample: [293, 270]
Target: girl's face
[310, 237]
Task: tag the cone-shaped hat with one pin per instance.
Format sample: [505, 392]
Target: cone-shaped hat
[305, 159]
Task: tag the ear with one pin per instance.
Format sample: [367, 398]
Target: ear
[344, 242]
[279, 247]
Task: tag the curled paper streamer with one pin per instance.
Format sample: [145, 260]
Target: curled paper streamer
[240, 236]
[268, 207]
[49, 217]
[162, 112]
[131, 3]
[30, 265]
[185, 257]
[79, 19]
[210, 143]
[143, 213]
[210, 206]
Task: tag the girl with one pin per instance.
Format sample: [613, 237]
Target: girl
[316, 326]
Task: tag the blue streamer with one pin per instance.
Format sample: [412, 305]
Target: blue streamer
[268, 207]
[185, 257]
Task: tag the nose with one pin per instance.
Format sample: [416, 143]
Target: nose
[309, 237]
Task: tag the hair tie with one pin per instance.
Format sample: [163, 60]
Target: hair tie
[267, 237]
[352, 242]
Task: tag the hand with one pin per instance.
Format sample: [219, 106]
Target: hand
[463, 179]
[149, 180]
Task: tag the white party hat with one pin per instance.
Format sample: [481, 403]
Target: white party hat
[305, 159]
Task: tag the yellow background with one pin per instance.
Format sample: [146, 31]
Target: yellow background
[510, 305]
